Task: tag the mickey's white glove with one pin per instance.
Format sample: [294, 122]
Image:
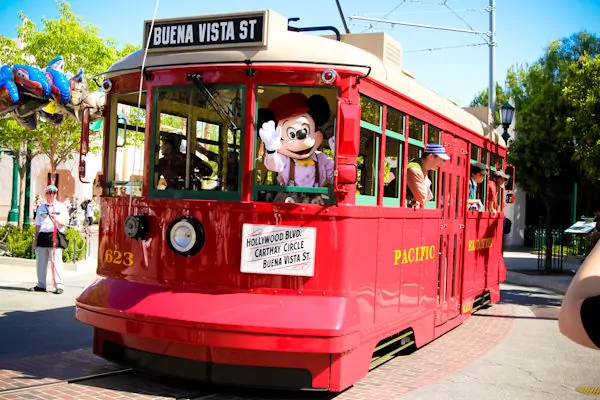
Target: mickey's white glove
[270, 136]
[331, 141]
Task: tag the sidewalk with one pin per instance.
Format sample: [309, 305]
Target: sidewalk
[522, 269]
[18, 275]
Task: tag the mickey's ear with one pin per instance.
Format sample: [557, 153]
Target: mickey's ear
[264, 115]
[318, 108]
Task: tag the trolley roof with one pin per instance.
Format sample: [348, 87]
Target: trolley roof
[226, 38]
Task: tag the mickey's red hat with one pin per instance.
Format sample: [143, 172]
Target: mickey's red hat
[288, 104]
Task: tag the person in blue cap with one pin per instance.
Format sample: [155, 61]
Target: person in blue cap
[49, 219]
[419, 184]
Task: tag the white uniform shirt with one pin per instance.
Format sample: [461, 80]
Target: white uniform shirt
[60, 214]
[89, 210]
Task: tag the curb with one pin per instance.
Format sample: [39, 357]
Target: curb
[78, 266]
[535, 281]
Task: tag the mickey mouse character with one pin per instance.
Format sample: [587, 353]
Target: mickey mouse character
[290, 132]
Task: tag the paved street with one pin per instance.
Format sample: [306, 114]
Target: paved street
[510, 351]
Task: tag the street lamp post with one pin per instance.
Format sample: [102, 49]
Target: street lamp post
[507, 111]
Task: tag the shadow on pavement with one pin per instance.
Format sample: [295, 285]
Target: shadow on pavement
[35, 333]
[513, 316]
[530, 298]
[137, 382]
[15, 288]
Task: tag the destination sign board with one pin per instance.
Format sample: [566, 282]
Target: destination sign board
[278, 250]
[206, 32]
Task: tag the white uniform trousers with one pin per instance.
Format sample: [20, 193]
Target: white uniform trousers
[43, 255]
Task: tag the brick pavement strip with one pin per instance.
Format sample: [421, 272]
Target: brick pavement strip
[23, 372]
[131, 385]
[479, 334]
[403, 374]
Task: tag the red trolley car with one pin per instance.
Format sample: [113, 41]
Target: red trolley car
[206, 273]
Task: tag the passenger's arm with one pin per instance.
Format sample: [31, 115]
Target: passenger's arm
[579, 316]
[207, 153]
[204, 167]
[492, 207]
[491, 200]
[416, 184]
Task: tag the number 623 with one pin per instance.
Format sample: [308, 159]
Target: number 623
[117, 257]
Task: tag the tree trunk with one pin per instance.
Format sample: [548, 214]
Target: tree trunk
[52, 156]
[549, 239]
[22, 184]
[21, 165]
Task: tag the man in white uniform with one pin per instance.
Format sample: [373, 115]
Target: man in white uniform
[50, 218]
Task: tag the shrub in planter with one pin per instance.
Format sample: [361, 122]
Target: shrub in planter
[76, 249]
[19, 241]
[7, 230]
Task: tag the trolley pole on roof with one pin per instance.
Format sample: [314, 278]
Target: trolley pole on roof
[337, 2]
[490, 41]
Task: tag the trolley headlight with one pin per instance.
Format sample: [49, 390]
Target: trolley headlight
[185, 236]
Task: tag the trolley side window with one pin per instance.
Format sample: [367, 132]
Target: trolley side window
[482, 189]
[126, 145]
[368, 153]
[394, 143]
[479, 155]
[301, 170]
[197, 142]
[417, 131]
[496, 164]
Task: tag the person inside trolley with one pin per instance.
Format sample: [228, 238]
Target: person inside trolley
[418, 181]
[478, 174]
[498, 180]
[172, 164]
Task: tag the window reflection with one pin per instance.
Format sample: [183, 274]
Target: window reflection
[198, 149]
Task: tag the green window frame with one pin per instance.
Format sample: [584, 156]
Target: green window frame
[397, 182]
[370, 121]
[419, 128]
[475, 152]
[126, 128]
[496, 165]
[257, 189]
[395, 126]
[193, 194]
[481, 188]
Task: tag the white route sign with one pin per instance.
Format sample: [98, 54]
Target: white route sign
[278, 250]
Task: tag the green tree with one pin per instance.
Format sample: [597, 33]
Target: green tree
[582, 93]
[16, 139]
[81, 46]
[542, 152]
[482, 100]
[70, 36]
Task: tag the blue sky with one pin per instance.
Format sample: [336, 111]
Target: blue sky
[523, 28]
